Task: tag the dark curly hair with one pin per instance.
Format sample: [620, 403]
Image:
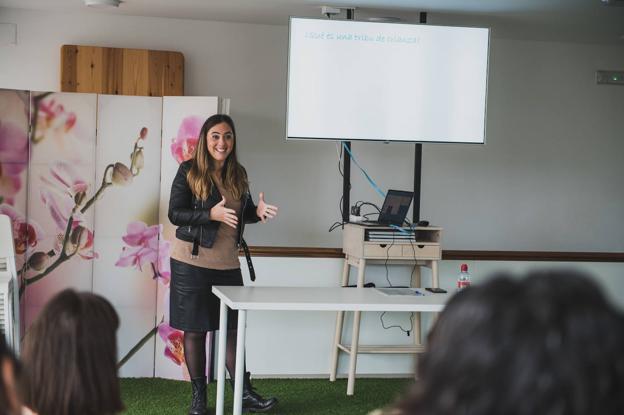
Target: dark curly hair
[547, 344]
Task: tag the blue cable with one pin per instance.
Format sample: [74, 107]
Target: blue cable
[371, 181]
[401, 230]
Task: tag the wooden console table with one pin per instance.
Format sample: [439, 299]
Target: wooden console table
[361, 247]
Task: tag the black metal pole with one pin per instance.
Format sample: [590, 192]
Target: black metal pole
[346, 182]
[417, 178]
[418, 160]
[346, 167]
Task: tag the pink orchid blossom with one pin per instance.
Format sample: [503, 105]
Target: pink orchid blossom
[84, 241]
[25, 234]
[164, 260]
[183, 146]
[66, 179]
[61, 208]
[53, 115]
[174, 342]
[146, 245]
[13, 160]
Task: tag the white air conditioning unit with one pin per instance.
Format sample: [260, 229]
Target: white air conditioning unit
[9, 295]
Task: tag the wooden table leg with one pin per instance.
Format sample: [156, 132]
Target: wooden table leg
[339, 322]
[435, 281]
[354, 351]
[416, 282]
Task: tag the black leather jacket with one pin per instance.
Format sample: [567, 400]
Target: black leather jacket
[192, 215]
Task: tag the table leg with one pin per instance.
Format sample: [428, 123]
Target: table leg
[221, 361]
[240, 363]
[435, 282]
[360, 278]
[339, 322]
[355, 337]
[354, 351]
[417, 282]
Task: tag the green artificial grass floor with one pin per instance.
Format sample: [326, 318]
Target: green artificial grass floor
[296, 396]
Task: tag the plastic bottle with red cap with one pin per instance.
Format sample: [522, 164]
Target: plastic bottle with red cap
[463, 280]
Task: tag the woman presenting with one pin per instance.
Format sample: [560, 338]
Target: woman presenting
[210, 203]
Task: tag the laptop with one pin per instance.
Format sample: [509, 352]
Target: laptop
[394, 208]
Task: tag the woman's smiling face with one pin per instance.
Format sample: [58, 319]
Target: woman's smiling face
[220, 142]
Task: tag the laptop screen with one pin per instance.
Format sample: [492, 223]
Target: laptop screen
[395, 207]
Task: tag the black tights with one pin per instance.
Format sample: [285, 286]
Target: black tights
[195, 353]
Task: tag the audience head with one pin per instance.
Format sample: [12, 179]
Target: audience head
[9, 368]
[70, 357]
[547, 344]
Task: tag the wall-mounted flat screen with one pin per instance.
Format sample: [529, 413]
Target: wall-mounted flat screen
[350, 80]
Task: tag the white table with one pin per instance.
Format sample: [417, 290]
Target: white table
[301, 299]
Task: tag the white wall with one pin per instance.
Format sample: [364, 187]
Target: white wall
[299, 343]
[549, 178]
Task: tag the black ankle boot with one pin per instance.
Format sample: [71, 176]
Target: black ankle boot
[252, 402]
[198, 402]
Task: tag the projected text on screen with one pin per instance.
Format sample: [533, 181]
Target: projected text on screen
[390, 82]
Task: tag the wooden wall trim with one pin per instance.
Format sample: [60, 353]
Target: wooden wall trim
[283, 251]
[534, 256]
[303, 252]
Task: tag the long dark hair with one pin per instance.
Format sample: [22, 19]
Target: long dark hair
[7, 402]
[233, 175]
[547, 344]
[70, 355]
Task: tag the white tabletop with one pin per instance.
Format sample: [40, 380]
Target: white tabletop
[325, 299]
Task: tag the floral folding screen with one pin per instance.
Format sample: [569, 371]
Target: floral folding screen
[85, 179]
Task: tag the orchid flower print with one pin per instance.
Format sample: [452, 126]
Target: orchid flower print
[52, 118]
[13, 157]
[25, 234]
[145, 245]
[183, 146]
[64, 194]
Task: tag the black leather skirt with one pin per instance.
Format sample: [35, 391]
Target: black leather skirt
[192, 305]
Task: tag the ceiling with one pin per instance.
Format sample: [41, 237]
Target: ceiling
[559, 20]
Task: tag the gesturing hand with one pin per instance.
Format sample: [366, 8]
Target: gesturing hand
[222, 214]
[264, 210]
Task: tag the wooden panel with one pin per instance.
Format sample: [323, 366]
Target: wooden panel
[383, 251]
[302, 252]
[68, 68]
[119, 71]
[422, 251]
[134, 73]
[113, 61]
[158, 70]
[89, 69]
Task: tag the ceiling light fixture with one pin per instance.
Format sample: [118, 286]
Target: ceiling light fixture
[102, 4]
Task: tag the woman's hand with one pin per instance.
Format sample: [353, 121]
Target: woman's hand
[222, 214]
[264, 210]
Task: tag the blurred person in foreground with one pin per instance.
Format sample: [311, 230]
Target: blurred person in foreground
[9, 371]
[547, 344]
[70, 357]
